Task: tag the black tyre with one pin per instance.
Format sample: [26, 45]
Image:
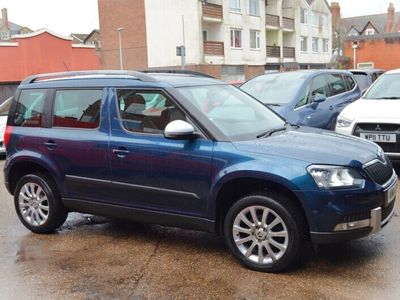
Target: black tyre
[38, 204]
[265, 232]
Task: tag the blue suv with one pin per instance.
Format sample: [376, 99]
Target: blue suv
[189, 151]
[309, 98]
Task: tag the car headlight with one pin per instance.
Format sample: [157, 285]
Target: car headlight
[330, 177]
[343, 122]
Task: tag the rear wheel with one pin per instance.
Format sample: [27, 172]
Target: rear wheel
[264, 232]
[38, 205]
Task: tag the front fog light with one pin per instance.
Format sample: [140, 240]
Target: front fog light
[327, 177]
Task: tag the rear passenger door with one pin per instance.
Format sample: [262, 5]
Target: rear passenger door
[148, 170]
[75, 141]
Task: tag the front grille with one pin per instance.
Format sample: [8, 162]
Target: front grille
[356, 217]
[380, 172]
[377, 127]
[381, 128]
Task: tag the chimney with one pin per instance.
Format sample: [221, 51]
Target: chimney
[335, 8]
[4, 18]
[390, 18]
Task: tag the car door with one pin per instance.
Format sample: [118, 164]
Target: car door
[75, 142]
[309, 112]
[150, 171]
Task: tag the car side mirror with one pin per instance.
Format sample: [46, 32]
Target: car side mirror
[318, 98]
[179, 130]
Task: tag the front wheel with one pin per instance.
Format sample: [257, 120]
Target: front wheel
[38, 205]
[264, 232]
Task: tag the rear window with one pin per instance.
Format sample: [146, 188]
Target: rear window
[77, 108]
[29, 110]
[363, 80]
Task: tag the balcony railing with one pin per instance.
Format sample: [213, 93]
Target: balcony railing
[212, 11]
[273, 51]
[272, 20]
[288, 23]
[289, 52]
[213, 48]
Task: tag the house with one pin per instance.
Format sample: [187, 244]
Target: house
[94, 39]
[78, 38]
[7, 29]
[230, 39]
[371, 41]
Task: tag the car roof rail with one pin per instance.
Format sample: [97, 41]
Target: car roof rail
[183, 72]
[135, 74]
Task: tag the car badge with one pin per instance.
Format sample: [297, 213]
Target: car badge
[378, 128]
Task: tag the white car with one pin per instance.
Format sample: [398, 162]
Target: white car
[4, 108]
[376, 116]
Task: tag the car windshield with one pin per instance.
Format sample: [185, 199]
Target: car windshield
[386, 87]
[275, 89]
[5, 106]
[234, 113]
[362, 80]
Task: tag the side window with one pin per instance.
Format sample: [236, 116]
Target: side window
[77, 108]
[304, 99]
[336, 84]
[318, 86]
[146, 111]
[351, 82]
[29, 110]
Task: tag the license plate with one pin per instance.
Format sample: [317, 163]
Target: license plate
[379, 137]
[391, 194]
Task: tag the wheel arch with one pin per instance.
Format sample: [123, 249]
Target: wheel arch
[232, 189]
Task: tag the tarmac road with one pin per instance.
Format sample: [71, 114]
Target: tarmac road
[97, 258]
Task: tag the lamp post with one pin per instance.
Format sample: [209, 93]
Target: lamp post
[121, 65]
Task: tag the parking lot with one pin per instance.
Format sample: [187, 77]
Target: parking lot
[93, 257]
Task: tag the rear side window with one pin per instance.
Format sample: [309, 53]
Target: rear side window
[336, 84]
[29, 110]
[5, 106]
[77, 108]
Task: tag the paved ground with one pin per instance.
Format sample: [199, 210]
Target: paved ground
[92, 257]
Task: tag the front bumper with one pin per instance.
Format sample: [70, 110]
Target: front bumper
[354, 229]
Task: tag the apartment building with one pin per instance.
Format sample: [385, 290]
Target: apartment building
[230, 39]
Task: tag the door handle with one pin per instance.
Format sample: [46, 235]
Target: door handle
[50, 144]
[121, 152]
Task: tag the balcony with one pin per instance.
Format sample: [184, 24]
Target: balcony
[212, 12]
[272, 21]
[289, 52]
[288, 24]
[274, 51]
[213, 48]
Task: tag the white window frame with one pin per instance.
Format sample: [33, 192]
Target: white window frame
[257, 39]
[315, 19]
[315, 41]
[325, 45]
[369, 31]
[304, 16]
[235, 6]
[256, 5]
[5, 35]
[232, 36]
[304, 42]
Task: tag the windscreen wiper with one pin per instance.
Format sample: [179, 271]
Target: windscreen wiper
[272, 131]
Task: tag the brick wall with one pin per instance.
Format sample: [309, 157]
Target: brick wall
[131, 15]
[383, 52]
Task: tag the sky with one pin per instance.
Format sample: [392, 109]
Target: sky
[352, 8]
[60, 16]
[81, 16]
